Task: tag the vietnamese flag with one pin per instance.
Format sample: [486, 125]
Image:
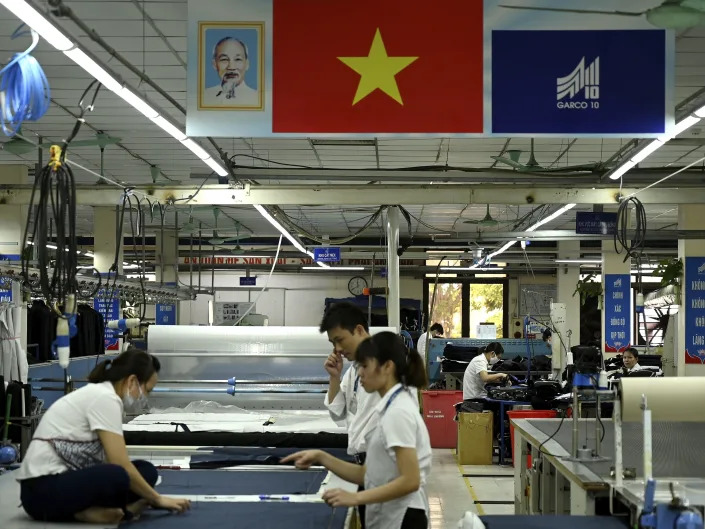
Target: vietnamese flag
[377, 66]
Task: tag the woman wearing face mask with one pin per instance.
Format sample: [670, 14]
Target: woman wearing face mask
[76, 467]
[476, 374]
[398, 449]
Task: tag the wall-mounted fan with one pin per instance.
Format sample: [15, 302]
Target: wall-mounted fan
[512, 159]
[488, 220]
[671, 14]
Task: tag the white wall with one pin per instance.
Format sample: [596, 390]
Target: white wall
[290, 299]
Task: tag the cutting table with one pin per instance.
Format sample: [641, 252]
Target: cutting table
[556, 485]
[257, 496]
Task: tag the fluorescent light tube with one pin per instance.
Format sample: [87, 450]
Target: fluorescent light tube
[679, 127]
[622, 170]
[578, 261]
[78, 56]
[332, 268]
[35, 20]
[649, 149]
[169, 128]
[551, 217]
[504, 248]
[219, 169]
[700, 112]
[442, 252]
[138, 102]
[282, 230]
[196, 149]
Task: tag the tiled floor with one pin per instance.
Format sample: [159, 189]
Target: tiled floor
[451, 495]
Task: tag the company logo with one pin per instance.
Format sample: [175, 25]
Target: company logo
[618, 283]
[701, 269]
[581, 87]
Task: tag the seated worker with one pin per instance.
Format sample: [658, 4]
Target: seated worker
[436, 331]
[76, 467]
[476, 374]
[630, 359]
[399, 448]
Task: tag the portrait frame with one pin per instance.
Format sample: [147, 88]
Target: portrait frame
[248, 32]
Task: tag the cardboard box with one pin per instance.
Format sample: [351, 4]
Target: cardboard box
[475, 438]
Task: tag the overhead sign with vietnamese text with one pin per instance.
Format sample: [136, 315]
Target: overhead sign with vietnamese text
[326, 255]
[617, 312]
[694, 304]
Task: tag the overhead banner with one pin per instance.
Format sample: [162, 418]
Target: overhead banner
[387, 68]
[694, 304]
[617, 308]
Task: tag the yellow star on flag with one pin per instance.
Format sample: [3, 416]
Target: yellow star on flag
[377, 71]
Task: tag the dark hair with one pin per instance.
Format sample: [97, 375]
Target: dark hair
[386, 346]
[437, 327]
[494, 347]
[634, 352]
[132, 362]
[546, 334]
[344, 315]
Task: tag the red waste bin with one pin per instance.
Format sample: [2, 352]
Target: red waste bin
[438, 414]
[527, 414]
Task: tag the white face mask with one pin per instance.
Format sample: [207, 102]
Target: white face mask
[493, 360]
[132, 404]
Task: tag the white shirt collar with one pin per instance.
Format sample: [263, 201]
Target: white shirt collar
[382, 404]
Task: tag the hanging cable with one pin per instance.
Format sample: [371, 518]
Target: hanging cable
[24, 90]
[635, 247]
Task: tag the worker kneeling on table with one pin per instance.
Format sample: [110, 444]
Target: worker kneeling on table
[398, 448]
[77, 467]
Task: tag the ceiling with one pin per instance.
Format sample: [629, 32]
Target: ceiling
[123, 25]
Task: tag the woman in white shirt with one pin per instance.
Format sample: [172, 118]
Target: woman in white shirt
[76, 467]
[398, 449]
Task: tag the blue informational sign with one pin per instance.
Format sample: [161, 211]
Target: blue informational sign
[577, 82]
[589, 223]
[694, 303]
[618, 314]
[326, 255]
[248, 281]
[5, 290]
[165, 314]
[110, 310]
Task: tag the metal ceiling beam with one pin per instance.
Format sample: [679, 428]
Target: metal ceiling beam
[365, 195]
[567, 235]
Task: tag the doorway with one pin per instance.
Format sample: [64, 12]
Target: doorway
[470, 307]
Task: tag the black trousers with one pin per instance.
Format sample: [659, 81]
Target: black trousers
[58, 498]
[360, 460]
[415, 519]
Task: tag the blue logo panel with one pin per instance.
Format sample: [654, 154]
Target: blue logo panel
[579, 82]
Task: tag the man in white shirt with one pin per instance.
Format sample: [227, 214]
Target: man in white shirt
[231, 61]
[476, 374]
[436, 331]
[346, 399]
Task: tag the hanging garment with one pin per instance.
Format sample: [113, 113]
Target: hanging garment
[41, 329]
[13, 360]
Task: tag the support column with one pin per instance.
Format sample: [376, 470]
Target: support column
[393, 297]
[166, 271]
[689, 347]
[568, 277]
[167, 253]
[616, 304]
[105, 223]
